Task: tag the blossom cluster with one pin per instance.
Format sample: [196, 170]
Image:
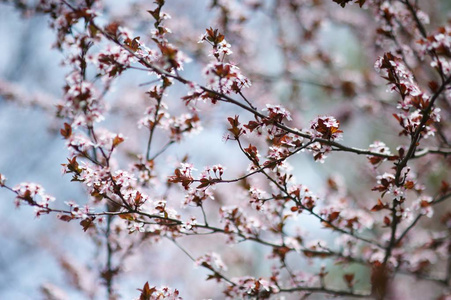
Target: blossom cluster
[414, 103]
[154, 293]
[33, 194]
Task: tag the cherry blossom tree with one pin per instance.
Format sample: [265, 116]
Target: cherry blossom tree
[357, 91]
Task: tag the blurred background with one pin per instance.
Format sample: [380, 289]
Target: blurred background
[40, 253]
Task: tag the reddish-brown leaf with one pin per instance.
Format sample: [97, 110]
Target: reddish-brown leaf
[66, 132]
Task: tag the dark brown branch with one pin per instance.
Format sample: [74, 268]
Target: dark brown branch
[321, 290]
